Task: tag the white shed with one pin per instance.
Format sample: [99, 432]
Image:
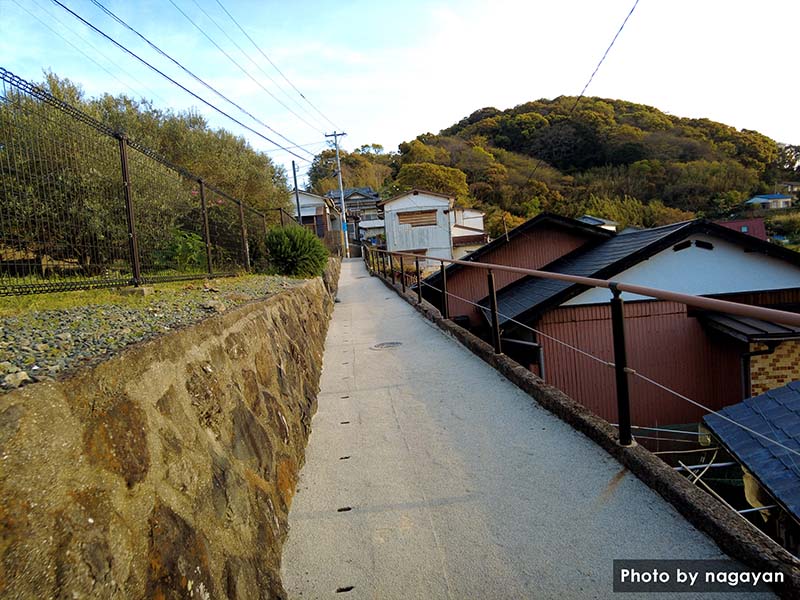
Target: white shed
[317, 213]
[419, 222]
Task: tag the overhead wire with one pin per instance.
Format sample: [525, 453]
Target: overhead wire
[591, 78]
[241, 68]
[181, 86]
[75, 47]
[288, 96]
[252, 41]
[188, 72]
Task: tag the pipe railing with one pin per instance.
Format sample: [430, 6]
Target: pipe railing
[377, 259]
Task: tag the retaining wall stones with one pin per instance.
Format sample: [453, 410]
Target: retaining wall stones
[167, 471]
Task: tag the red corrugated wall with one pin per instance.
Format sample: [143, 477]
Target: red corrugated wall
[531, 250]
[662, 343]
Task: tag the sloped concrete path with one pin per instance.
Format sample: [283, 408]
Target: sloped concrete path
[429, 476]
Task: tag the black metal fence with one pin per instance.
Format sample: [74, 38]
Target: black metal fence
[81, 206]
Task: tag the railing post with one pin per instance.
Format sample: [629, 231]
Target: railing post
[445, 303]
[245, 246]
[383, 265]
[419, 281]
[391, 268]
[283, 223]
[206, 231]
[620, 366]
[493, 305]
[402, 275]
[133, 242]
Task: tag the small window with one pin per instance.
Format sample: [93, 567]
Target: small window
[418, 218]
[744, 229]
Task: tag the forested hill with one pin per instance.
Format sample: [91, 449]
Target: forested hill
[625, 161]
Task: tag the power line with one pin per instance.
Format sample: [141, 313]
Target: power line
[73, 45]
[591, 77]
[92, 46]
[184, 88]
[257, 66]
[302, 146]
[188, 72]
[235, 22]
[240, 67]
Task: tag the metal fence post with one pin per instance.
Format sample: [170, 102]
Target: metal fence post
[206, 232]
[391, 268]
[445, 302]
[402, 275]
[133, 242]
[245, 245]
[620, 366]
[419, 281]
[498, 349]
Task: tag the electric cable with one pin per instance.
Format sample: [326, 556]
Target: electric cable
[173, 81]
[288, 96]
[235, 22]
[240, 67]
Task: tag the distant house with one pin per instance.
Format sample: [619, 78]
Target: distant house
[754, 227]
[359, 201]
[361, 204]
[418, 222]
[770, 201]
[317, 213]
[467, 231]
[706, 357]
[371, 231]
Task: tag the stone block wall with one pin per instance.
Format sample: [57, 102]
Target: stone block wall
[167, 471]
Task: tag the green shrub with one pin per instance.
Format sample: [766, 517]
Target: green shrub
[296, 251]
[184, 251]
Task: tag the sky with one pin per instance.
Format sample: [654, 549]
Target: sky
[385, 71]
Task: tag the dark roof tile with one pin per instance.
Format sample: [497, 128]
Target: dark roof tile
[775, 414]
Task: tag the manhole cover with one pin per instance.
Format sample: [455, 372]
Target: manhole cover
[383, 345]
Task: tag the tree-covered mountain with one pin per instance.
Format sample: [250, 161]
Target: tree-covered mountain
[629, 162]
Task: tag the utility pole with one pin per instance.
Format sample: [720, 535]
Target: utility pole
[345, 243]
[296, 195]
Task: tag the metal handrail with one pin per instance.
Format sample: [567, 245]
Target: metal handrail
[617, 313]
[726, 306]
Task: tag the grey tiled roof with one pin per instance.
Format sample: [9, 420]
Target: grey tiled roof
[529, 292]
[775, 414]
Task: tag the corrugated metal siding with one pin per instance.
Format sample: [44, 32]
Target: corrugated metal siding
[662, 343]
[529, 251]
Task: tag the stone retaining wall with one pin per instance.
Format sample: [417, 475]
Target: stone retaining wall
[168, 471]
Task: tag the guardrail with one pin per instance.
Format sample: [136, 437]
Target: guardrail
[392, 266]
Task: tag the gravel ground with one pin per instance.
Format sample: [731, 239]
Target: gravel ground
[44, 345]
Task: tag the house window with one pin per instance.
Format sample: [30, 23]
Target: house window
[417, 218]
[744, 229]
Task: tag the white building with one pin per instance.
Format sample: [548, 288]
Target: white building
[317, 213]
[418, 222]
[466, 231]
